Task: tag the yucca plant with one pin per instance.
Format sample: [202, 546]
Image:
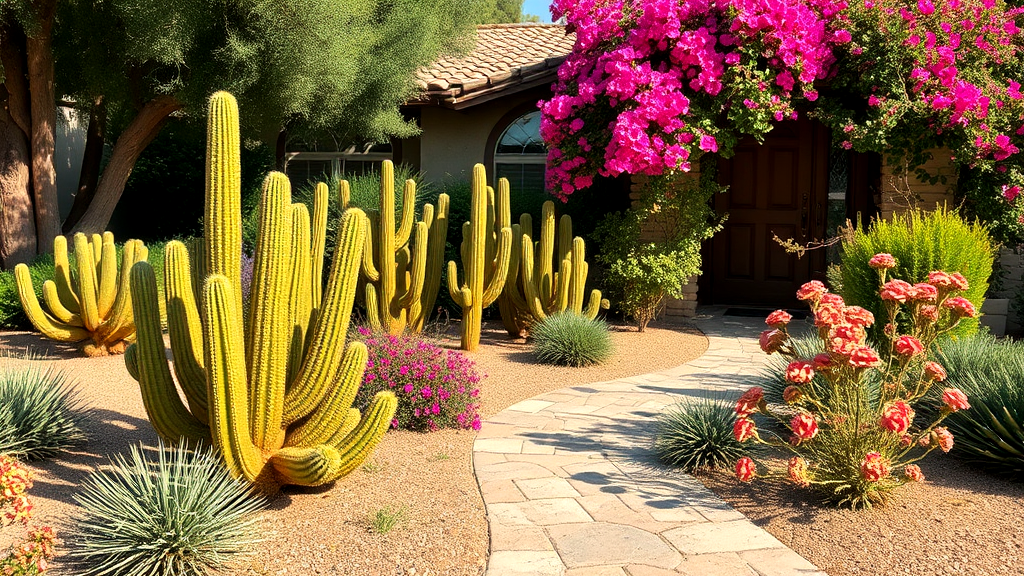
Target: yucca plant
[991, 373]
[40, 413]
[697, 434]
[176, 512]
[569, 339]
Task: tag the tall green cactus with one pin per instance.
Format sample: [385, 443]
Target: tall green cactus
[273, 393]
[403, 279]
[539, 290]
[486, 250]
[91, 304]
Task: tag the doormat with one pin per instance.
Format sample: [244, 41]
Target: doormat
[762, 313]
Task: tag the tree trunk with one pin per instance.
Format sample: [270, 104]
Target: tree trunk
[281, 151]
[17, 224]
[91, 159]
[43, 109]
[142, 130]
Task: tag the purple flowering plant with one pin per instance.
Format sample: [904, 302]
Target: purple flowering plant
[436, 387]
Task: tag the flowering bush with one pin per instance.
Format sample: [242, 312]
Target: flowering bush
[33, 555]
[652, 84]
[436, 388]
[851, 439]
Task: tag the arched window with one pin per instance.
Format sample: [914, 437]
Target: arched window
[520, 155]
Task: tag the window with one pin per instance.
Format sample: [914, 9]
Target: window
[520, 156]
[304, 167]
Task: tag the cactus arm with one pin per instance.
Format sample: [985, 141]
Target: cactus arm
[87, 282]
[497, 281]
[62, 275]
[408, 213]
[418, 270]
[464, 246]
[270, 329]
[438, 237]
[578, 279]
[321, 425]
[56, 308]
[40, 319]
[300, 304]
[462, 296]
[386, 247]
[545, 252]
[373, 308]
[530, 280]
[168, 415]
[562, 296]
[108, 278]
[490, 237]
[131, 361]
[321, 198]
[96, 243]
[566, 243]
[120, 320]
[350, 423]
[325, 352]
[344, 195]
[185, 329]
[223, 222]
[594, 304]
[229, 393]
[322, 464]
[369, 270]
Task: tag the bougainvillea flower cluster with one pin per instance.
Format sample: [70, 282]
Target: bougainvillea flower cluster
[849, 416]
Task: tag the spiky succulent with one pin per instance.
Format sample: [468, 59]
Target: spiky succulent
[569, 339]
[697, 434]
[40, 413]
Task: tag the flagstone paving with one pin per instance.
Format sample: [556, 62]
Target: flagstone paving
[572, 486]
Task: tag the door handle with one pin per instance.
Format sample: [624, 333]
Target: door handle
[804, 216]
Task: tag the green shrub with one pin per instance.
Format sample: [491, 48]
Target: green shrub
[176, 513]
[12, 317]
[569, 339]
[991, 372]
[40, 413]
[920, 242]
[698, 434]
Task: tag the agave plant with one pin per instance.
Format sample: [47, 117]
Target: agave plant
[40, 413]
[176, 513]
[698, 434]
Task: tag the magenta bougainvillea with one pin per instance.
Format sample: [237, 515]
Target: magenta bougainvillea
[652, 84]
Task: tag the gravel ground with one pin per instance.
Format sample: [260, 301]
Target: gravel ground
[959, 521]
[429, 477]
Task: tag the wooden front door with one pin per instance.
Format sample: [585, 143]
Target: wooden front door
[779, 187]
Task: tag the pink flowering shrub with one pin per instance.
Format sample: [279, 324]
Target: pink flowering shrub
[652, 84]
[852, 439]
[436, 388]
[33, 555]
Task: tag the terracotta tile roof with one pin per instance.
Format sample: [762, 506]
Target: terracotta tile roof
[505, 56]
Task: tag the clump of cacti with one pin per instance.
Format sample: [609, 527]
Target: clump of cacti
[271, 389]
[93, 302]
[486, 249]
[403, 278]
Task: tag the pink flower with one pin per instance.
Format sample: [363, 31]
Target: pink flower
[959, 282]
[960, 306]
[924, 293]
[913, 473]
[930, 313]
[882, 261]
[797, 470]
[955, 399]
[743, 429]
[822, 362]
[934, 371]
[940, 279]
[800, 372]
[812, 291]
[908, 346]
[750, 401]
[864, 357]
[792, 394]
[745, 469]
[896, 291]
[827, 316]
[708, 143]
[897, 417]
[1010, 192]
[772, 340]
[778, 319]
[858, 316]
[873, 468]
[804, 426]
[942, 438]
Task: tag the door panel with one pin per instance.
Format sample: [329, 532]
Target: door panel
[775, 188]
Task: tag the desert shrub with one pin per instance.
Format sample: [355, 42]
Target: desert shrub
[436, 388]
[991, 373]
[11, 314]
[40, 414]
[568, 339]
[33, 555]
[698, 434]
[920, 242]
[851, 439]
[651, 250]
[175, 512]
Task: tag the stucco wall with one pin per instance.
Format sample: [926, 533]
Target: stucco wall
[454, 140]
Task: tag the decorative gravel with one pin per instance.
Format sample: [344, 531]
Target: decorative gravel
[427, 475]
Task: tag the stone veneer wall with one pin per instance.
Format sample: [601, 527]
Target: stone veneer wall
[1012, 263]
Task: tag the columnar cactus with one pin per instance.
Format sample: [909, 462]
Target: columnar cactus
[94, 303]
[403, 281]
[545, 290]
[273, 393]
[485, 257]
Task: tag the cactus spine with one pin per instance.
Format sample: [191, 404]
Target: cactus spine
[486, 250]
[546, 290]
[94, 304]
[403, 280]
[275, 393]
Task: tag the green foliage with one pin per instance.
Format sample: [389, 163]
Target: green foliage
[569, 339]
[497, 11]
[40, 413]
[991, 372]
[921, 242]
[653, 249]
[979, 191]
[697, 434]
[177, 512]
[386, 519]
[12, 316]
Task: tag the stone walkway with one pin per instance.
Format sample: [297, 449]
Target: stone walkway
[573, 488]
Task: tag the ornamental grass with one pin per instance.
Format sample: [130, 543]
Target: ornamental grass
[697, 434]
[852, 441]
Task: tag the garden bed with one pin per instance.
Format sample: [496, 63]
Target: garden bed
[427, 475]
[959, 521]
